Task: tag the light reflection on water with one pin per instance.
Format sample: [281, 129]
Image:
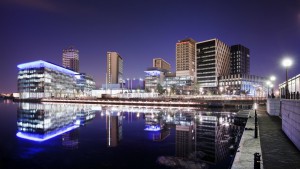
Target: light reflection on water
[166, 137]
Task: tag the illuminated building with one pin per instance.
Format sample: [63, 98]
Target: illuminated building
[41, 79]
[181, 84]
[70, 59]
[85, 84]
[161, 64]
[239, 60]
[154, 77]
[212, 61]
[293, 87]
[185, 57]
[242, 84]
[114, 68]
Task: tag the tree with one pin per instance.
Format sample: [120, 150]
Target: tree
[160, 89]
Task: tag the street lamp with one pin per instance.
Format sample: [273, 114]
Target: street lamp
[268, 84]
[221, 89]
[287, 62]
[272, 78]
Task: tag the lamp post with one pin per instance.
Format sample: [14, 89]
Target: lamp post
[272, 78]
[255, 120]
[287, 62]
[268, 84]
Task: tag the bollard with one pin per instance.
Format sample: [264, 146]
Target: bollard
[256, 161]
[255, 125]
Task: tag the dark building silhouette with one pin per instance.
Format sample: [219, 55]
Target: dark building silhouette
[239, 59]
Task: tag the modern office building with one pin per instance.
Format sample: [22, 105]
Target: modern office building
[114, 68]
[242, 84]
[153, 77]
[185, 57]
[239, 60]
[70, 59]
[212, 61]
[178, 84]
[293, 88]
[41, 79]
[161, 64]
[85, 84]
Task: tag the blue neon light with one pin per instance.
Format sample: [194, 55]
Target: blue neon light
[41, 63]
[152, 72]
[152, 128]
[35, 137]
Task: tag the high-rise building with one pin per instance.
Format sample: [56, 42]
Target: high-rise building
[185, 57]
[70, 59]
[239, 60]
[161, 64]
[114, 68]
[212, 61]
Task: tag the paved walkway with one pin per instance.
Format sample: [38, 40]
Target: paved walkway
[277, 150]
[244, 158]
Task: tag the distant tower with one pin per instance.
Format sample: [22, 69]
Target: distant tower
[70, 59]
[239, 59]
[114, 68]
[185, 57]
[162, 64]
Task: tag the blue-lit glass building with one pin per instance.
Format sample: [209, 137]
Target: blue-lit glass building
[41, 79]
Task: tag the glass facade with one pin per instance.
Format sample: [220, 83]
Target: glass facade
[242, 84]
[40, 79]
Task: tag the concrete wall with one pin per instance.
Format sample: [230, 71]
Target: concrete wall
[290, 110]
[273, 106]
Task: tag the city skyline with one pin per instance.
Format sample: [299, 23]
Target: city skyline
[140, 31]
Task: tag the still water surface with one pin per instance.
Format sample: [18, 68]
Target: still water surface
[101, 136]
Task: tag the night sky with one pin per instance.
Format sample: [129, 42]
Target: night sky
[141, 30]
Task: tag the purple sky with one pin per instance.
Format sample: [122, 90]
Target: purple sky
[141, 30]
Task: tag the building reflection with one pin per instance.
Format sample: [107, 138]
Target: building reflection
[70, 140]
[201, 137]
[114, 120]
[184, 135]
[212, 136]
[40, 122]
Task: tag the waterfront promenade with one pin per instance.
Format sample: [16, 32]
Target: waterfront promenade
[275, 148]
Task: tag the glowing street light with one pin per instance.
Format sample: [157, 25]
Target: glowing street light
[268, 85]
[272, 78]
[221, 89]
[287, 62]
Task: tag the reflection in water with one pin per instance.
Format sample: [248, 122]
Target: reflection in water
[40, 122]
[202, 138]
[70, 140]
[114, 121]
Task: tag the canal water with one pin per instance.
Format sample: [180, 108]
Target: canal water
[51, 135]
